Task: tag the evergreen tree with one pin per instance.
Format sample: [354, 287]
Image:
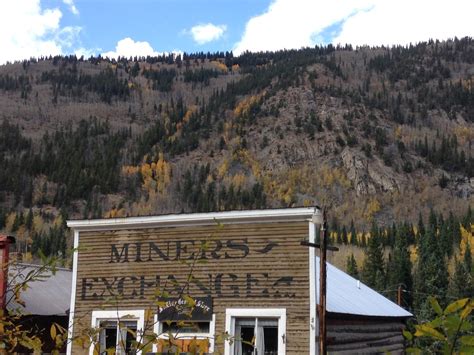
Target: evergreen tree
[469, 218]
[351, 266]
[373, 273]
[453, 230]
[16, 223]
[445, 239]
[433, 221]
[461, 282]
[421, 227]
[36, 244]
[409, 233]
[431, 276]
[29, 220]
[399, 272]
[3, 217]
[344, 237]
[468, 258]
[353, 234]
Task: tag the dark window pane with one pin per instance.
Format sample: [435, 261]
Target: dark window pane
[130, 338]
[270, 340]
[187, 327]
[108, 336]
[247, 336]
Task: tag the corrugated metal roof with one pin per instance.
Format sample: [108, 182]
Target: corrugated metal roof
[347, 295]
[50, 296]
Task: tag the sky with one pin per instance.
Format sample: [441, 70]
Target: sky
[33, 28]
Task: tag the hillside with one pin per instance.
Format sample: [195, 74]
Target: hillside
[374, 134]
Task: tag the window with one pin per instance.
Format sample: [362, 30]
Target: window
[118, 330]
[117, 335]
[200, 333]
[256, 331]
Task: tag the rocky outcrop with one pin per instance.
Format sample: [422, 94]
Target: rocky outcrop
[368, 178]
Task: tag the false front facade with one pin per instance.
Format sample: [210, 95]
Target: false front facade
[235, 282]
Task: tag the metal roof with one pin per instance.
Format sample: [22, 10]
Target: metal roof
[348, 295]
[49, 296]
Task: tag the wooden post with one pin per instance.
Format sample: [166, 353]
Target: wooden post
[399, 295]
[322, 289]
[323, 246]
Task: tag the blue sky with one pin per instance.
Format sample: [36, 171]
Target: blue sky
[31, 28]
[164, 24]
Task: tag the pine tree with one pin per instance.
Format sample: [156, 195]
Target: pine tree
[373, 273]
[431, 276]
[29, 220]
[445, 239]
[399, 272]
[421, 227]
[469, 218]
[461, 282]
[36, 244]
[16, 223]
[351, 266]
[3, 217]
[344, 237]
[454, 232]
[468, 258]
[409, 233]
[433, 221]
[353, 234]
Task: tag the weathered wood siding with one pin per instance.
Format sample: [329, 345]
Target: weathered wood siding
[365, 336]
[258, 265]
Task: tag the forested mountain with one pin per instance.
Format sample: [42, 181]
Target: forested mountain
[380, 136]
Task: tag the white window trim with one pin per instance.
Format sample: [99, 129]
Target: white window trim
[158, 329]
[138, 315]
[73, 294]
[232, 313]
[313, 292]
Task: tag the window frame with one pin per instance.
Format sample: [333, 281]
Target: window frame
[158, 329]
[232, 313]
[116, 316]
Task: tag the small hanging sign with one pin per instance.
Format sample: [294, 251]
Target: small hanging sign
[185, 308]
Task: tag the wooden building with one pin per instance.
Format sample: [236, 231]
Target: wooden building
[44, 298]
[246, 273]
[360, 320]
[45, 301]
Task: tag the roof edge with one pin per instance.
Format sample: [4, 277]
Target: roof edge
[355, 316]
[194, 219]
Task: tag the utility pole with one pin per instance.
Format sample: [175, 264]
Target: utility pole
[399, 295]
[322, 289]
[323, 247]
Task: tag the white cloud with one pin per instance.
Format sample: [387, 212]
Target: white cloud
[27, 30]
[205, 33]
[67, 37]
[127, 47]
[407, 21]
[72, 6]
[294, 23]
[86, 52]
[300, 23]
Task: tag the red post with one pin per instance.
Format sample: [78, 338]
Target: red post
[5, 242]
